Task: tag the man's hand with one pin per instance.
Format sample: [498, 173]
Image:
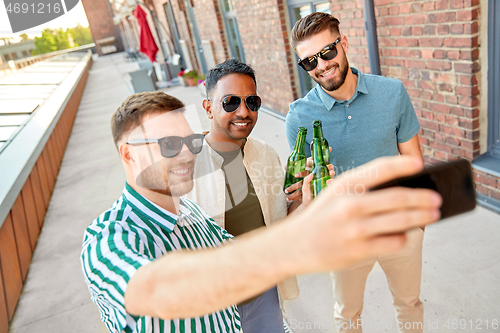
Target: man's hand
[301, 186]
[347, 222]
[297, 187]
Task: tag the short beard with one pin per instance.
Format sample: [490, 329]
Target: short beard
[331, 85]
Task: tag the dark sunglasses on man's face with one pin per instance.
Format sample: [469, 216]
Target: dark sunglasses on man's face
[327, 53]
[171, 146]
[232, 103]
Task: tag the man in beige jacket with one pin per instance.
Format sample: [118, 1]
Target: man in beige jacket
[239, 179]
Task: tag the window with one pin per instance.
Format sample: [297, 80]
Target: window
[233, 33]
[494, 78]
[7, 57]
[13, 55]
[299, 9]
[202, 65]
[490, 161]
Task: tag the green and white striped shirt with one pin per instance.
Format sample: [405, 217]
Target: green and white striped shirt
[133, 233]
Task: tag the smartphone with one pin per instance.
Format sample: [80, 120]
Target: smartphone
[453, 180]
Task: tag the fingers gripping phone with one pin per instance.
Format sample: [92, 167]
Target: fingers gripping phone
[452, 180]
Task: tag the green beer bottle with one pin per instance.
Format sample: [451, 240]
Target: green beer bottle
[318, 133]
[297, 160]
[319, 170]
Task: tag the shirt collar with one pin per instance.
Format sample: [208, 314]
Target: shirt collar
[151, 211]
[329, 101]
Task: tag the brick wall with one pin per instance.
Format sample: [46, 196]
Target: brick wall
[264, 35]
[159, 9]
[100, 21]
[211, 27]
[208, 21]
[179, 9]
[352, 25]
[487, 185]
[433, 48]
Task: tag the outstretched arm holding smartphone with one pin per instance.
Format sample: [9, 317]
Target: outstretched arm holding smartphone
[346, 223]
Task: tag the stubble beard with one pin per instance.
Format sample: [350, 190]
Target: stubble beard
[152, 178]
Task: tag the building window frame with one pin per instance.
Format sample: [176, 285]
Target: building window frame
[303, 76]
[493, 78]
[174, 32]
[489, 162]
[229, 17]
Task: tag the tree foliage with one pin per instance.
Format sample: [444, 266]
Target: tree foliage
[24, 37]
[81, 35]
[58, 39]
[51, 40]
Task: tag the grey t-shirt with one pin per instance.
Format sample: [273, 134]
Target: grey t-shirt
[241, 215]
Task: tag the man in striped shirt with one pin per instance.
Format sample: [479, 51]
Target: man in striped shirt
[151, 262]
[150, 219]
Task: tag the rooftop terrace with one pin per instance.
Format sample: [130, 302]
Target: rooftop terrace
[22, 93]
[460, 269]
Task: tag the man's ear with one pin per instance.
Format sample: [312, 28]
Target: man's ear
[207, 105]
[345, 44]
[125, 154]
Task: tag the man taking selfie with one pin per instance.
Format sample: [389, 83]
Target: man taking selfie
[155, 262]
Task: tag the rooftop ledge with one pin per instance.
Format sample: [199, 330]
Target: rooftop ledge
[19, 157]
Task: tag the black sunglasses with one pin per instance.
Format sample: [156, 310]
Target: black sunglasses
[171, 146]
[327, 53]
[232, 103]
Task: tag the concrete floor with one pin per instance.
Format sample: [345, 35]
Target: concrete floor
[460, 274]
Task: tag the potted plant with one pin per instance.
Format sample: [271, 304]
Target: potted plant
[190, 77]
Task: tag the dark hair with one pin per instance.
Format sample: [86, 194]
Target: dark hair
[230, 66]
[131, 112]
[311, 25]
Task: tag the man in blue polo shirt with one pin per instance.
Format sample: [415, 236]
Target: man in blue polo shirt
[364, 117]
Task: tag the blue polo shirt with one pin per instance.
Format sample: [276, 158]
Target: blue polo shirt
[369, 125]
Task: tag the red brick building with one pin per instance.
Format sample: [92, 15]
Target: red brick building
[99, 15]
[446, 53]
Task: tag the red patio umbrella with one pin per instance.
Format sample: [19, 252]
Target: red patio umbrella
[147, 42]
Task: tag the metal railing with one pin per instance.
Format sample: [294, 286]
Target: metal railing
[13, 65]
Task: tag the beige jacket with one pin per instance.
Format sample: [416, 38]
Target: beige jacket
[267, 175]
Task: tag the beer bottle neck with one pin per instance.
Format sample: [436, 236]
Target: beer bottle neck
[317, 152]
[300, 144]
[318, 132]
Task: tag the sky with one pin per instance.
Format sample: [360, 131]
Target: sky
[68, 20]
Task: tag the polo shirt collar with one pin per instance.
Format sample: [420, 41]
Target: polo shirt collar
[329, 101]
[151, 211]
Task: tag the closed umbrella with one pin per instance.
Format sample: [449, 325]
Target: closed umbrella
[147, 42]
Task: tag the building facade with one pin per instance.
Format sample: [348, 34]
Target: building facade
[446, 53]
[100, 17]
[16, 51]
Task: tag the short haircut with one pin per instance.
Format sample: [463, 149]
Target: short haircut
[131, 112]
[230, 66]
[311, 25]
